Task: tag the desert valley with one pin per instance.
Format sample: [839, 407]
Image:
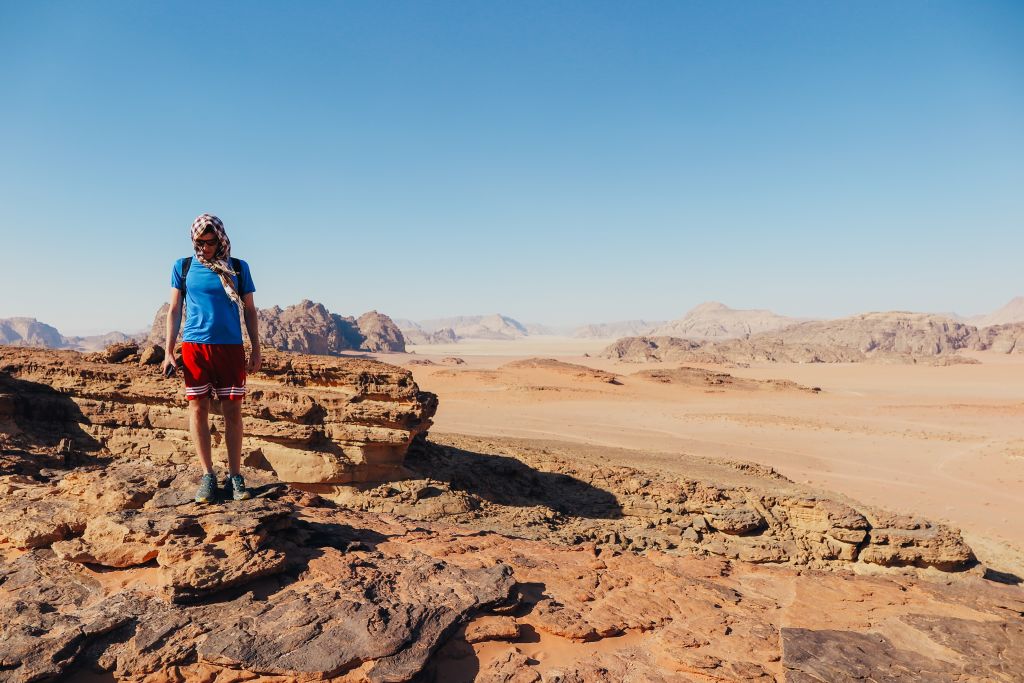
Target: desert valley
[730, 496]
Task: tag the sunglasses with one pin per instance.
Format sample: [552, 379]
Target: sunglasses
[212, 242]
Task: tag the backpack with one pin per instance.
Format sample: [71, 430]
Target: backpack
[236, 265]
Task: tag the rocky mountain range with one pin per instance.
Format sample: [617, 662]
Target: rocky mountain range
[31, 332]
[713, 320]
[1012, 312]
[886, 337]
[614, 330]
[441, 330]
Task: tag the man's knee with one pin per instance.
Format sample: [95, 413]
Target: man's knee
[232, 409]
[199, 407]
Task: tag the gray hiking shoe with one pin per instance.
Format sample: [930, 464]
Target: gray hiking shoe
[237, 486]
[207, 492]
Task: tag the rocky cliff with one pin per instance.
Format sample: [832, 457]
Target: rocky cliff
[309, 419]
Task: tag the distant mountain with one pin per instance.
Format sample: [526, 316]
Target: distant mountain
[98, 342]
[715, 321]
[31, 332]
[1013, 312]
[893, 336]
[614, 330]
[442, 330]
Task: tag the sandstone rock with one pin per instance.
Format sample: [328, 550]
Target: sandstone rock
[116, 353]
[492, 628]
[312, 419]
[734, 520]
[364, 597]
[930, 546]
[510, 666]
[152, 355]
[307, 327]
[380, 333]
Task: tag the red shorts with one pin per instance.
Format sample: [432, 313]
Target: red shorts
[213, 370]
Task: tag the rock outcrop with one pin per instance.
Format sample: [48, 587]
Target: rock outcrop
[309, 419]
[537, 494]
[380, 333]
[1007, 338]
[308, 327]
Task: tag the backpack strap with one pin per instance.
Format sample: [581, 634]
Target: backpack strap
[236, 265]
[184, 274]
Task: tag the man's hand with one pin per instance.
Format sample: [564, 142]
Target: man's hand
[169, 366]
[254, 362]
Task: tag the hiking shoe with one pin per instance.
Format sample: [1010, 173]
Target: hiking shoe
[207, 492]
[237, 486]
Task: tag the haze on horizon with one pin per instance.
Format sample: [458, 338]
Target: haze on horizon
[578, 162]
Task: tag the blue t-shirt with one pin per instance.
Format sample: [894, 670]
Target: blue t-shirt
[211, 317]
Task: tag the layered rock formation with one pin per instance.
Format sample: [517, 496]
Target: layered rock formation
[311, 419]
[308, 327]
[715, 321]
[545, 495]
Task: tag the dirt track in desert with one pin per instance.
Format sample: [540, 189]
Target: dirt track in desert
[946, 443]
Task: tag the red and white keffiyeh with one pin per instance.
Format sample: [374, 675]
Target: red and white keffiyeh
[221, 262]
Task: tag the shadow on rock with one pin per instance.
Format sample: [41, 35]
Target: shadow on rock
[1008, 578]
[338, 536]
[503, 480]
[45, 425]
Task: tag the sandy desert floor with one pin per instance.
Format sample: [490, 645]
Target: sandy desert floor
[946, 443]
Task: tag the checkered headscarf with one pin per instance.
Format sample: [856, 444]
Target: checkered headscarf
[221, 263]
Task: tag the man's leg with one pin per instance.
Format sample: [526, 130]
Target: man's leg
[199, 425]
[232, 410]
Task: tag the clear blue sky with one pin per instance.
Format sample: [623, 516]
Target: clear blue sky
[554, 161]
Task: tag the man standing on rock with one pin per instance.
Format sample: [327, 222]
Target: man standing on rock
[213, 286]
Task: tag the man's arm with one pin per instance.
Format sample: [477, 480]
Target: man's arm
[172, 327]
[252, 326]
